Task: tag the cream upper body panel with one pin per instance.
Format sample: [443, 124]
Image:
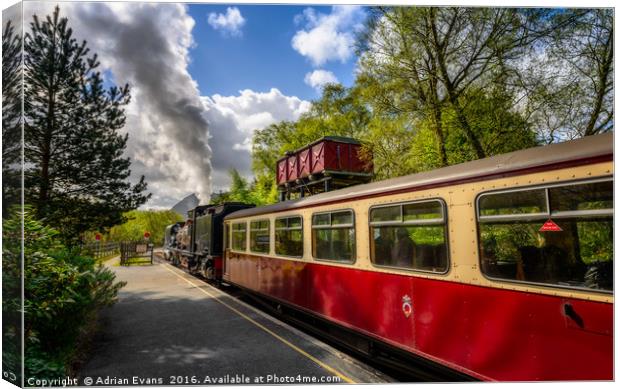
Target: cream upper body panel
[460, 202]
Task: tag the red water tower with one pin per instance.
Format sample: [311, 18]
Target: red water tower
[329, 163]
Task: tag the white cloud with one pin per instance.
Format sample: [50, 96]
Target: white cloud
[183, 143]
[328, 37]
[230, 23]
[147, 46]
[318, 78]
[233, 120]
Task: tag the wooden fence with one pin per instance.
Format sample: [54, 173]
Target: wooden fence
[100, 249]
[136, 252]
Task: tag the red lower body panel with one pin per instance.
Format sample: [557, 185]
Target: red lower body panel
[217, 265]
[489, 333]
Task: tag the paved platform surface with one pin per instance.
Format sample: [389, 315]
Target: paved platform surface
[170, 328]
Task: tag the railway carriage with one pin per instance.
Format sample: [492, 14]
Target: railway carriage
[496, 269]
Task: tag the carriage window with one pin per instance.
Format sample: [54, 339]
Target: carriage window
[239, 236]
[410, 236]
[586, 197]
[289, 236]
[259, 236]
[386, 214]
[333, 236]
[573, 249]
[525, 202]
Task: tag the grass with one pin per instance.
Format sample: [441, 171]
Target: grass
[106, 258]
[137, 261]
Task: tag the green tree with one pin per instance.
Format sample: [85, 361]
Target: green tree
[339, 112]
[270, 143]
[76, 175]
[399, 76]
[499, 128]
[261, 191]
[422, 62]
[138, 222]
[11, 117]
[388, 144]
[569, 82]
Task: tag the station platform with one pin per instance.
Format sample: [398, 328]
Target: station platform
[169, 328]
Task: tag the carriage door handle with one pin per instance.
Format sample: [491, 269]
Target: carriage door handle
[570, 312]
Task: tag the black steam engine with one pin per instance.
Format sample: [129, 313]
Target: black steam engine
[197, 244]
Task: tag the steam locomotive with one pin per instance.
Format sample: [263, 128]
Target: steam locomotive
[197, 243]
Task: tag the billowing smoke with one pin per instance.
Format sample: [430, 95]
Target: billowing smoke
[147, 46]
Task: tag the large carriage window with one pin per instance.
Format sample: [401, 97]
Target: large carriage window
[289, 236]
[239, 236]
[411, 236]
[259, 236]
[570, 244]
[333, 236]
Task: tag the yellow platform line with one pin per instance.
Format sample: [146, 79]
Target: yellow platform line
[267, 330]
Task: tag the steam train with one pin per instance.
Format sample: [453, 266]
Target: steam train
[499, 269]
[197, 243]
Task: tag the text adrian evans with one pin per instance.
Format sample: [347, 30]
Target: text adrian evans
[207, 380]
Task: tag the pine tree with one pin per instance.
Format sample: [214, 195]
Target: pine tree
[11, 117]
[75, 172]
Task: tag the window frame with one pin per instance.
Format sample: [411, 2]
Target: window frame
[549, 213]
[545, 216]
[250, 229]
[287, 228]
[232, 233]
[332, 227]
[426, 222]
[227, 230]
[516, 216]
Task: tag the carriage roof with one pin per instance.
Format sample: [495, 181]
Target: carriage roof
[571, 153]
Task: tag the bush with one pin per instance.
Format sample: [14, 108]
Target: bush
[62, 293]
[138, 222]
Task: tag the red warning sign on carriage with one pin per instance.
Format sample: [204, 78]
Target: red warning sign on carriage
[550, 226]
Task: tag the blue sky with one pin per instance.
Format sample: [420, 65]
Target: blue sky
[205, 77]
[262, 57]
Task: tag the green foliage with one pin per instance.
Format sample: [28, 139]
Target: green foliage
[499, 128]
[11, 117]
[503, 241]
[261, 191]
[11, 297]
[75, 171]
[596, 241]
[62, 293]
[430, 235]
[569, 83]
[388, 144]
[138, 222]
